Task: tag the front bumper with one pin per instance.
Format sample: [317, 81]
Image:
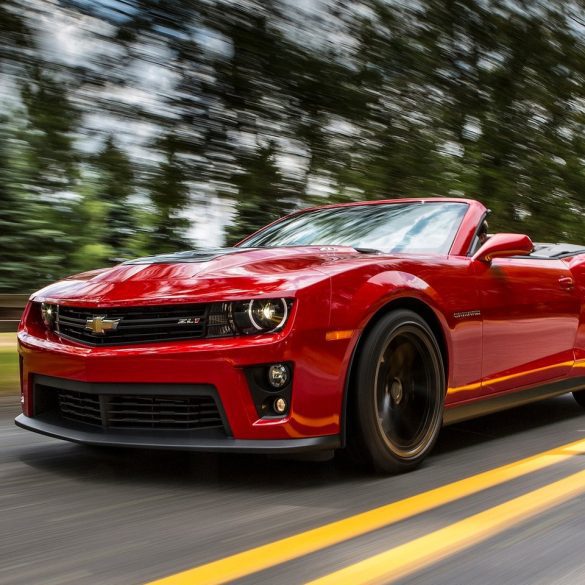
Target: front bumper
[313, 421]
[171, 440]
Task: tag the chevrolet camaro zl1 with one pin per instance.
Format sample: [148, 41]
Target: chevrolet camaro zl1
[367, 325]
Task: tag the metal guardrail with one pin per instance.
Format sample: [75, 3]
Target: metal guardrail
[11, 308]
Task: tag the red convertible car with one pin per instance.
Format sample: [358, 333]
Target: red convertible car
[367, 325]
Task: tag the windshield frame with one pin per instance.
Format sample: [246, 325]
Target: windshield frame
[468, 204]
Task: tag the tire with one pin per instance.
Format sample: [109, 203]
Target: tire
[399, 393]
[579, 396]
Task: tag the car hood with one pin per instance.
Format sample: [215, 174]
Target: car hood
[200, 276]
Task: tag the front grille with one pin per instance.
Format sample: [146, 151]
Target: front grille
[132, 324]
[140, 411]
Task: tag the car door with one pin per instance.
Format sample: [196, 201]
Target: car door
[530, 312]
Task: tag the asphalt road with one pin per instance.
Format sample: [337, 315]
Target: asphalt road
[71, 514]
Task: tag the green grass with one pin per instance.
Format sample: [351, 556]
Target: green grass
[9, 375]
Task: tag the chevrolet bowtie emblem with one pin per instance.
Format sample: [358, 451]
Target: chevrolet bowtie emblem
[100, 324]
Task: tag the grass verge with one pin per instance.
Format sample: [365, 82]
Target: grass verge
[9, 375]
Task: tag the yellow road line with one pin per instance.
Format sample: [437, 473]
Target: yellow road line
[292, 547]
[431, 548]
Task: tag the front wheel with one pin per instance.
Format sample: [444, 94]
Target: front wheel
[400, 389]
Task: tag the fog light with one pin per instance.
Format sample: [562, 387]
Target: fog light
[280, 405]
[278, 375]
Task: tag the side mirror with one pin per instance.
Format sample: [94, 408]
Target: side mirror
[504, 245]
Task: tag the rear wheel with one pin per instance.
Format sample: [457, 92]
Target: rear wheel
[400, 389]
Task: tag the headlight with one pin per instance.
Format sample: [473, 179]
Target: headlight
[248, 317]
[267, 314]
[49, 314]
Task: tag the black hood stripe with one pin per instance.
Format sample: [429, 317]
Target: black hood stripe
[191, 256]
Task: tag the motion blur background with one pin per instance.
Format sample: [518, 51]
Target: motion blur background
[137, 127]
[133, 127]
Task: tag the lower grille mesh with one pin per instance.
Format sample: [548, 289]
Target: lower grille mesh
[140, 411]
[80, 407]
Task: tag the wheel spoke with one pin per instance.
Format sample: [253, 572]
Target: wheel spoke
[401, 358]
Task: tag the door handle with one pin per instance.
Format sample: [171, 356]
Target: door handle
[566, 283]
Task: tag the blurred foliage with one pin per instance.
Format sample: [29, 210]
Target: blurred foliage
[261, 193]
[126, 123]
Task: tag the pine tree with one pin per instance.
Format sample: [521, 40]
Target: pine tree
[170, 197]
[114, 188]
[260, 194]
[29, 255]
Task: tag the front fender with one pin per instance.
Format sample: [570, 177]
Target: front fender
[445, 292]
[376, 292]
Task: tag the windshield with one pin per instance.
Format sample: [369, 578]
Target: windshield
[416, 227]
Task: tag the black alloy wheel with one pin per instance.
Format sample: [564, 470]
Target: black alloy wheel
[400, 392]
